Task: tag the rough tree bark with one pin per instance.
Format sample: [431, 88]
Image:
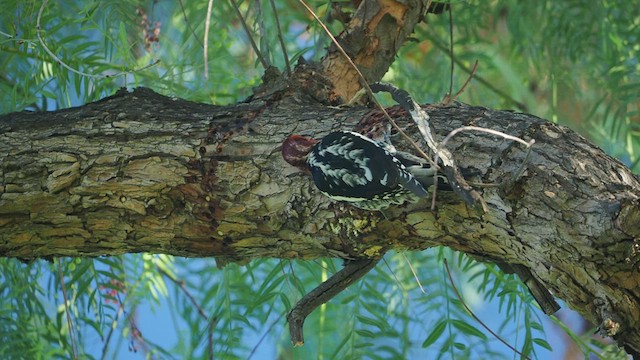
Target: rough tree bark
[372, 40]
[143, 172]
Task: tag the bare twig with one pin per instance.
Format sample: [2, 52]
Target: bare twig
[421, 118]
[114, 322]
[450, 97]
[464, 87]
[529, 144]
[489, 131]
[286, 278]
[258, 15]
[280, 37]
[112, 328]
[263, 61]
[455, 289]
[205, 51]
[210, 322]
[135, 333]
[516, 175]
[193, 32]
[265, 335]
[74, 353]
[63, 64]
[519, 105]
[413, 271]
[184, 289]
[451, 54]
[395, 277]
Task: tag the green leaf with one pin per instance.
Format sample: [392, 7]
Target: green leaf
[122, 36]
[459, 346]
[365, 333]
[435, 334]
[373, 322]
[468, 329]
[543, 343]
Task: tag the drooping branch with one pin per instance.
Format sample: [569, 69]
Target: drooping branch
[351, 273]
[143, 172]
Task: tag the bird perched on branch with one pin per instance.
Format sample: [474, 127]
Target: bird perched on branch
[347, 166]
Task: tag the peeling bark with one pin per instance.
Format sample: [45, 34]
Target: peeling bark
[371, 39]
[143, 172]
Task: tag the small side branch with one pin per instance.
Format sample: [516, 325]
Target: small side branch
[262, 59]
[475, 317]
[540, 293]
[351, 273]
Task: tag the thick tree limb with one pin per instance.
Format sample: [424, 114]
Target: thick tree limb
[143, 172]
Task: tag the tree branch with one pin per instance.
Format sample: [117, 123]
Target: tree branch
[341, 280]
[142, 172]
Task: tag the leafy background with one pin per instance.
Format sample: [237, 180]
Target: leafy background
[572, 62]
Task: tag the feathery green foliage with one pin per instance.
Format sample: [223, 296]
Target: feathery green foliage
[574, 62]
